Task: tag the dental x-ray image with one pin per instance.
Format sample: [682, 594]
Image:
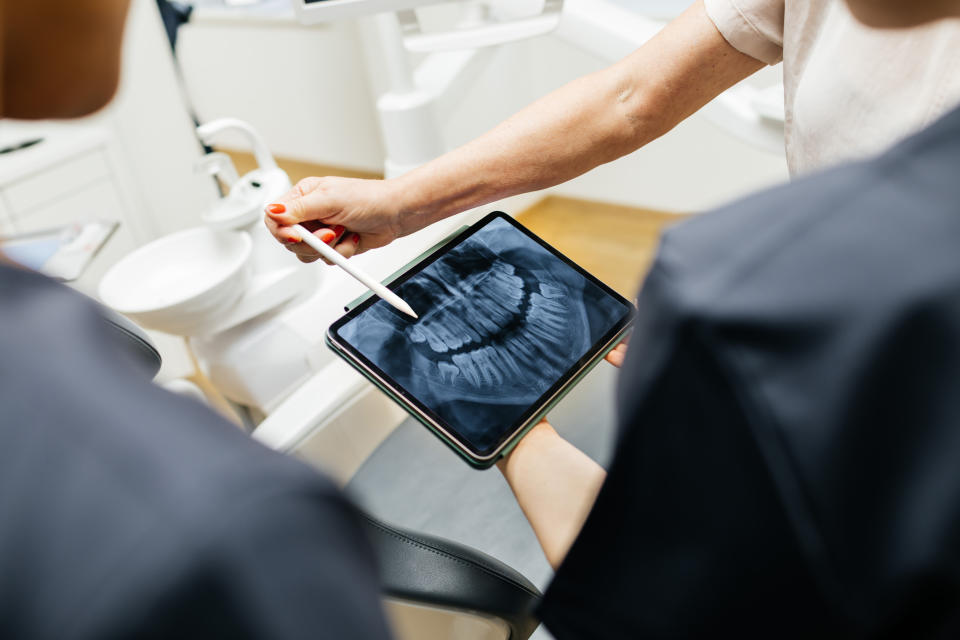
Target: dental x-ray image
[502, 320]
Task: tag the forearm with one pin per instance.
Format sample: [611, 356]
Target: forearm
[555, 485]
[588, 122]
[553, 140]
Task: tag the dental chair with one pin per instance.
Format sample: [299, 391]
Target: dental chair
[433, 589]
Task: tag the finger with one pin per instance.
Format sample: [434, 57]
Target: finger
[302, 250]
[293, 241]
[275, 229]
[617, 354]
[324, 235]
[283, 234]
[305, 252]
[305, 201]
[349, 246]
[287, 236]
[272, 226]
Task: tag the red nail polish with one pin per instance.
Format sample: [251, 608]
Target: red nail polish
[328, 237]
[355, 238]
[339, 229]
[276, 208]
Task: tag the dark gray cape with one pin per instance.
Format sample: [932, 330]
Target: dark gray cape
[128, 512]
[789, 459]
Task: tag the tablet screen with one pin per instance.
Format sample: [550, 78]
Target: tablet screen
[505, 320]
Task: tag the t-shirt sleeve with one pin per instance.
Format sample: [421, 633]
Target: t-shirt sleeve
[753, 27]
[688, 536]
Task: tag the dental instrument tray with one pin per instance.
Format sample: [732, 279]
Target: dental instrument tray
[508, 325]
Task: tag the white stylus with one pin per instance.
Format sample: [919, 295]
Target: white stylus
[333, 256]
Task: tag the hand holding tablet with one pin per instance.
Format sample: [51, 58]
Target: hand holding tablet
[507, 325]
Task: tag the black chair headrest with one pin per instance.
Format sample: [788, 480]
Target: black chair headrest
[135, 340]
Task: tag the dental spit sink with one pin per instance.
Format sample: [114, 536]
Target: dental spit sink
[178, 281]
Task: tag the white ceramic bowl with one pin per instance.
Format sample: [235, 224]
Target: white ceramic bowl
[177, 282]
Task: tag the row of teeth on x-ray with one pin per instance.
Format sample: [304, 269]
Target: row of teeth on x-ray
[507, 331]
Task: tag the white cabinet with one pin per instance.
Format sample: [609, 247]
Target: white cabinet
[57, 180]
[73, 176]
[66, 178]
[6, 224]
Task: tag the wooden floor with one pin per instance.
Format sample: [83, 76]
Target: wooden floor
[614, 242]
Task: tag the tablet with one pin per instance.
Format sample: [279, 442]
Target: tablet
[507, 325]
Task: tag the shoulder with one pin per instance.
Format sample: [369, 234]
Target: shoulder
[754, 27]
[130, 499]
[831, 309]
[786, 246]
[286, 562]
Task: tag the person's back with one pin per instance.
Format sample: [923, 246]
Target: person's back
[790, 456]
[126, 511]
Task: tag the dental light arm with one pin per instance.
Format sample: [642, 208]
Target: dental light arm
[483, 34]
[596, 119]
[314, 11]
[473, 34]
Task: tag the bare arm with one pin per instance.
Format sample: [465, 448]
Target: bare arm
[588, 122]
[555, 485]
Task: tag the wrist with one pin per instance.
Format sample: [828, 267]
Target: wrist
[410, 203]
[533, 442]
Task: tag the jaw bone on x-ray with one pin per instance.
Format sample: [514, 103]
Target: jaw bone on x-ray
[501, 321]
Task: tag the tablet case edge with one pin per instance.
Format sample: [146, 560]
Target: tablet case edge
[516, 438]
[563, 393]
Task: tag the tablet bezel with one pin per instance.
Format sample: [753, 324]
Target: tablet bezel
[410, 402]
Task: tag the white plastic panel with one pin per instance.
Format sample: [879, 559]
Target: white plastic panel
[58, 180]
[335, 421]
[6, 222]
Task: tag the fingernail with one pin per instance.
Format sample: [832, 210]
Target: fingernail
[355, 238]
[328, 237]
[339, 229]
[276, 208]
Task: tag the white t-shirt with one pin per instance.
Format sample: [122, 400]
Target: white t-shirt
[850, 91]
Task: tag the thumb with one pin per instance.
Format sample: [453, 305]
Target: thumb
[305, 201]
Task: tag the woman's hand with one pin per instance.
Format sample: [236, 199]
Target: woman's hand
[350, 214]
[617, 354]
